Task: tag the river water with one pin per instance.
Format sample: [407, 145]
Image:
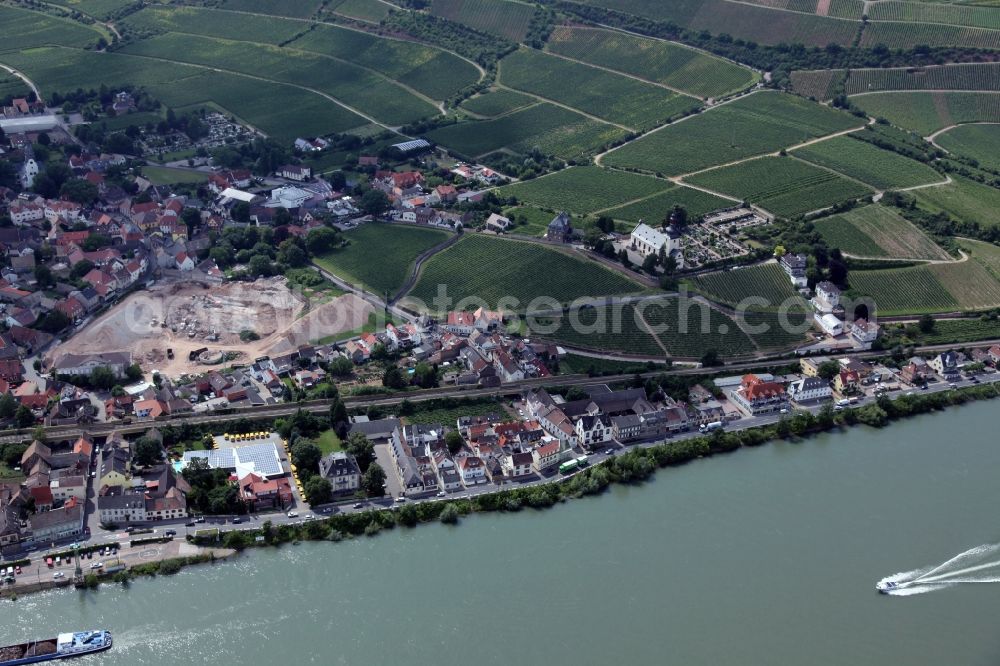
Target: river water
[766, 556]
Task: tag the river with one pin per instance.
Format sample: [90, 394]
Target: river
[765, 556]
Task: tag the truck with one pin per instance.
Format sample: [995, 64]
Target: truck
[709, 427]
[843, 402]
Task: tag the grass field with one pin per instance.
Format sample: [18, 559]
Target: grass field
[766, 281]
[655, 208]
[980, 142]
[584, 189]
[163, 176]
[783, 185]
[877, 231]
[354, 86]
[23, 29]
[760, 123]
[882, 169]
[973, 76]
[611, 97]
[898, 35]
[509, 20]
[380, 256]
[926, 112]
[552, 129]
[497, 102]
[965, 199]
[328, 442]
[680, 67]
[494, 269]
[973, 284]
[536, 220]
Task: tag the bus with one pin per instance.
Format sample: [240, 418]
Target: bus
[569, 466]
[582, 461]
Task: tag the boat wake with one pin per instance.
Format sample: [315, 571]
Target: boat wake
[975, 565]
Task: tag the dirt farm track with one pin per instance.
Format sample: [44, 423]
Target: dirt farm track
[191, 315]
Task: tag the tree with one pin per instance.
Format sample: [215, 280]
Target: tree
[374, 202]
[102, 378]
[321, 240]
[710, 358]
[780, 251]
[318, 490]
[79, 191]
[361, 448]
[305, 456]
[147, 451]
[191, 218]
[926, 323]
[449, 515]
[453, 440]
[133, 372]
[81, 268]
[290, 254]
[8, 406]
[425, 375]
[373, 480]
[23, 417]
[341, 367]
[828, 370]
[259, 265]
[52, 321]
[649, 264]
[44, 276]
[393, 378]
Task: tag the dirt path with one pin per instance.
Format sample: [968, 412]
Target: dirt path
[931, 139]
[501, 86]
[418, 263]
[649, 329]
[947, 181]
[964, 258]
[823, 8]
[20, 75]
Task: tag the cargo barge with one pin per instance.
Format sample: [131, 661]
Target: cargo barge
[63, 646]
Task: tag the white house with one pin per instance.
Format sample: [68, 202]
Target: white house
[864, 332]
[593, 429]
[827, 297]
[25, 212]
[472, 469]
[498, 223]
[184, 261]
[809, 389]
[830, 325]
[295, 172]
[517, 464]
[646, 240]
[795, 266]
[547, 455]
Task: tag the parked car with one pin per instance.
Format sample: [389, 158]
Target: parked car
[57, 575]
[293, 514]
[357, 505]
[237, 521]
[170, 533]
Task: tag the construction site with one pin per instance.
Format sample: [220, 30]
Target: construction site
[187, 327]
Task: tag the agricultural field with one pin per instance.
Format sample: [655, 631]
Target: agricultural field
[878, 231]
[352, 85]
[509, 20]
[765, 281]
[297, 9]
[973, 76]
[818, 84]
[973, 284]
[655, 208]
[364, 10]
[552, 129]
[177, 86]
[684, 329]
[964, 199]
[760, 123]
[98, 9]
[380, 257]
[769, 26]
[980, 142]
[611, 97]
[680, 12]
[497, 102]
[583, 189]
[164, 176]
[932, 12]
[908, 35]
[882, 169]
[945, 331]
[23, 29]
[493, 269]
[783, 185]
[680, 67]
[449, 410]
[428, 70]
[927, 112]
[213, 23]
[11, 87]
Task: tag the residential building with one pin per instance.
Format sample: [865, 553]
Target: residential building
[810, 389]
[516, 465]
[830, 324]
[847, 382]
[498, 223]
[57, 524]
[84, 364]
[260, 493]
[295, 172]
[472, 470]
[560, 229]
[946, 365]
[755, 396]
[794, 266]
[827, 298]
[342, 471]
[547, 455]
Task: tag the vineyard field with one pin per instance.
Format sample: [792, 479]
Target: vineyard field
[680, 67]
[783, 185]
[819, 84]
[974, 76]
[980, 142]
[509, 20]
[932, 12]
[908, 35]
[98, 9]
[868, 163]
[911, 290]
[552, 129]
[372, 11]
[584, 189]
[927, 112]
[23, 29]
[611, 97]
[214, 23]
[11, 86]
[770, 26]
[496, 270]
[877, 231]
[655, 208]
[497, 102]
[756, 124]
[766, 281]
[297, 9]
[965, 199]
